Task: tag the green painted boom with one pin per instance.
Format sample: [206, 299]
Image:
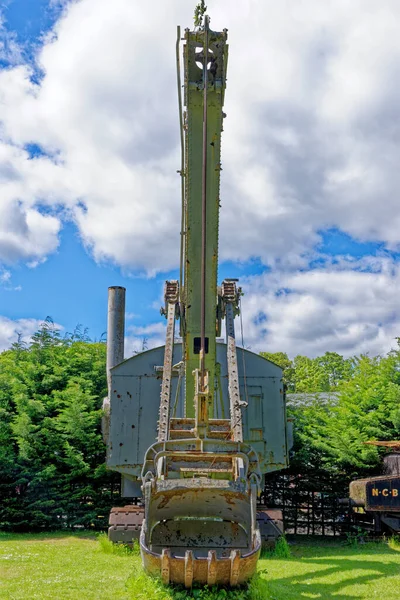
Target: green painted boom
[217, 55]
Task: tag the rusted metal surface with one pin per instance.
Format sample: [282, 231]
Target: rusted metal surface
[378, 498]
[185, 428]
[235, 569]
[211, 567]
[393, 444]
[165, 566]
[208, 451]
[171, 296]
[189, 568]
[206, 533]
[233, 378]
[358, 491]
[191, 517]
[230, 299]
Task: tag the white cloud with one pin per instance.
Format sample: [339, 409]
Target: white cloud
[10, 51]
[311, 139]
[336, 308]
[104, 111]
[27, 231]
[311, 142]
[140, 338]
[11, 329]
[130, 315]
[5, 276]
[6, 281]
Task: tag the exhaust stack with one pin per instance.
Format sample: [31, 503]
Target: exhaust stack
[115, 329]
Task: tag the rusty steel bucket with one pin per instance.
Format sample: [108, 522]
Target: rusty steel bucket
[200, 529]
[187, 569]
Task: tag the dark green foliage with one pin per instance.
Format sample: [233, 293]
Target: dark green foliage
[310, 375]
[282, 360]
[367, 408]
[52, 472]
[330, 433]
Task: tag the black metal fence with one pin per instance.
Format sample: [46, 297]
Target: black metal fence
[310, 506]
[309, 502]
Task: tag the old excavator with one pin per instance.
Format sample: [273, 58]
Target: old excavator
[194, 426]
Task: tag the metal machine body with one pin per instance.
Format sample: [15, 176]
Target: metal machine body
[193, 426]
[135, 403]
[376, 500]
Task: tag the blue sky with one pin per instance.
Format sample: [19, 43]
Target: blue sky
[29, 19]
[89, 149]
[70, 286]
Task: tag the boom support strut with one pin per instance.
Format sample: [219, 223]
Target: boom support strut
[171, 298]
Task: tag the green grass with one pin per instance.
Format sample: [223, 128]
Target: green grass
[59, 566]
[280, 550]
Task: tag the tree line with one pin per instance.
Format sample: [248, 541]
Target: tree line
[343, 403]
[52, 456]
[52, 471]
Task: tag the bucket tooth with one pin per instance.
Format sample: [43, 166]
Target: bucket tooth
[165, 566]
[235, 567]
[211, 568]
[188, 568]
